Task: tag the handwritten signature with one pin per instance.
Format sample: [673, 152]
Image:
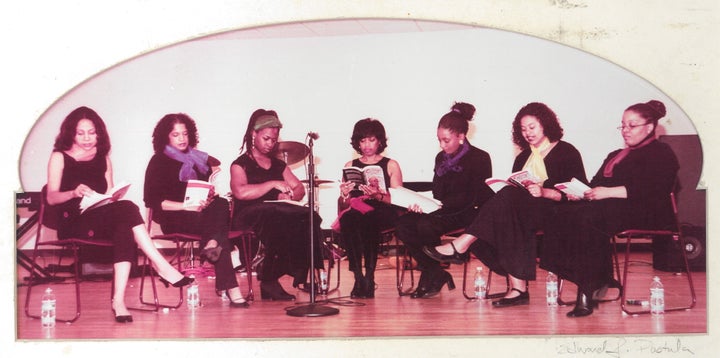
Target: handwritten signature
[617, 347]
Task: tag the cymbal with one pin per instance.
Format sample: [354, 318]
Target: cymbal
[292, 152]
[317, 181]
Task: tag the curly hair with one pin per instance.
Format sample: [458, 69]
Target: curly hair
[165, 126]
[368, 127]
[68, 128]
[547, 118]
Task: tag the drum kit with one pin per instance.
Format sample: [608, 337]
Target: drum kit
[294, 152]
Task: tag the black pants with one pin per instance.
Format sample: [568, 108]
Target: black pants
[213, 223]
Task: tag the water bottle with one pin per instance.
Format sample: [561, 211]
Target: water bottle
[480, 286]
[657, 297]
[193, 294]
[551, 289]
[323, 283]
[47, 315]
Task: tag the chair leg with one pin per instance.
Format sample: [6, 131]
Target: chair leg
[33, 281]
[401, 266]
[488, 295]
[691, 287]
[156, 301]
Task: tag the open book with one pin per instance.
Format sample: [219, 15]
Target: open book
[95, 199]
[405, 197]
[371, 175]
[573, 187]
[195, 191]
[520, 179]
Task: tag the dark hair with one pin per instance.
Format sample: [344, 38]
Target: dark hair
[247, 138]
[547, 118]
[68, 128]
[457, 119]
[165, 126]
[652, 111]
[368, 127]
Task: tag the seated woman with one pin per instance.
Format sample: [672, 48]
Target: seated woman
[459, 183]
[257, 176]
[79, 166]
[630, 190]
[503, 235]
[368, 206]
[176, 160]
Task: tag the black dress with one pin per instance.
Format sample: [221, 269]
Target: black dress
[284, 229]
[506, 225]
[162, 182]
[576, 245]
[360, 233]
[112, 221]
[461, 192]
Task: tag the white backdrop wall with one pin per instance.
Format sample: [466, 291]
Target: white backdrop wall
[325, 84]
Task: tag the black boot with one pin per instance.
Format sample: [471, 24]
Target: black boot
[271, 290]
[358, 290]
[583, 306]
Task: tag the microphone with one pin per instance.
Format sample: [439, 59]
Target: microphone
[313, 135]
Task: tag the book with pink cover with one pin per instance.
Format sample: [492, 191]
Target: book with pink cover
[520, 179]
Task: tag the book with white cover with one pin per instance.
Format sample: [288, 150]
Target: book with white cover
[196, 191]
[405, 197]
[574, 187]
[96, 199]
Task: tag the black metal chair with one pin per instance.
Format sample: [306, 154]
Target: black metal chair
[679, 243]
[47, 219]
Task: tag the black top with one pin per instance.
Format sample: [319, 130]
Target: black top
[649, 174]
[382, 163]
[466, 189]
[162, 182]
[562, 163]
[89, 172]
[256, 175]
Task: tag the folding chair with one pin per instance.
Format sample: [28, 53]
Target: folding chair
[46, 220]
[677, 239]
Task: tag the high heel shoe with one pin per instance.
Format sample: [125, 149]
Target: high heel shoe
[239, 303]
[122, 318]
[523, 298]
[583, 306]
[211, 255]
[435, 286]
[455, 258]
[182, 282]
[274, 292]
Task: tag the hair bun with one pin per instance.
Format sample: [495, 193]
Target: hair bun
[465, 110]
[658, 107]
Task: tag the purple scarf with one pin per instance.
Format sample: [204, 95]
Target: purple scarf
[450, 161]
[191, 160]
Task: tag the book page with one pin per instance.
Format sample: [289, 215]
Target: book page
[574, 187]
[96, 199]
[405, 197]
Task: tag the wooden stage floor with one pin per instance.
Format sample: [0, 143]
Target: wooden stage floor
[386, 316]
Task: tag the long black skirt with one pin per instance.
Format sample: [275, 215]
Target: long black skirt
[284, 230]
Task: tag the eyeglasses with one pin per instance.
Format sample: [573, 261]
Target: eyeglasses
[631, 126]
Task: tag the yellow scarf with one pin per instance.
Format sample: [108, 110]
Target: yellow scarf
[535, 162]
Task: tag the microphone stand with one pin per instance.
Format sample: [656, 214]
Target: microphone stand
[312, 309]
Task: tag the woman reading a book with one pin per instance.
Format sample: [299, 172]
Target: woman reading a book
[176, 162]
[366, 203]
[80, 166]
[459, 183]
[258, 180]
[630, 190]
[503, 234]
